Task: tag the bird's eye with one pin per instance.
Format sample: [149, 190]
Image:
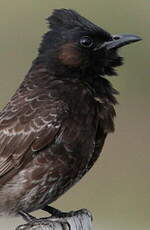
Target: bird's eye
[86, 42]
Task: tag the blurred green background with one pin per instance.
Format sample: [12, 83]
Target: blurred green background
[117, 189]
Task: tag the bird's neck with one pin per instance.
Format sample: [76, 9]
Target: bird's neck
[40, 76]
[56, 68]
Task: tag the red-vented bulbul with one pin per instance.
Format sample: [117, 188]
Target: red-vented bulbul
[53, 129]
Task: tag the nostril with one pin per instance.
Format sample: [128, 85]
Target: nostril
[116, 37]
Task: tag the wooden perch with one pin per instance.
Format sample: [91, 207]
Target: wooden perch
[81, 220]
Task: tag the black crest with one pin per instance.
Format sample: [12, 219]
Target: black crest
[70, 19]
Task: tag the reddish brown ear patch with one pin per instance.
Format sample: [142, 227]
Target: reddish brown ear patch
[69, 55]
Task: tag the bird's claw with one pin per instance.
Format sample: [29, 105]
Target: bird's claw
[27, 217]
[59, 214]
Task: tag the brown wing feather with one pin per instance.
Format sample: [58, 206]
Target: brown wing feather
[30, 126]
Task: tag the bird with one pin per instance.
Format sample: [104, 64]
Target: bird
[54, 127]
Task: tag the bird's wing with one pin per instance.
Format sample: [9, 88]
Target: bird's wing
[29, 128]
[99, 142]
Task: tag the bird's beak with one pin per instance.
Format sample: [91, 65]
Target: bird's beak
[120, 40]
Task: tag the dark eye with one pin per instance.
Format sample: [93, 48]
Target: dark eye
[86, 42]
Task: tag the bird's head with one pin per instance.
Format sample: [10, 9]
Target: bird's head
[77, 46]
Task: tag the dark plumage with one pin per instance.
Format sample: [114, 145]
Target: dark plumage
[53, 129]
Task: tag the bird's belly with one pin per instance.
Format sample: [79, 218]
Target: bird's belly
[56, 184]
[41, 182]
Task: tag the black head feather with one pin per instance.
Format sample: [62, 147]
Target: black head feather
[67, 27]
[70, 19]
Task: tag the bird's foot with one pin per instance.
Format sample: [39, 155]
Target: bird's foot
[31, 220]
[50, 222]
[59, 214]
[27, 217]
